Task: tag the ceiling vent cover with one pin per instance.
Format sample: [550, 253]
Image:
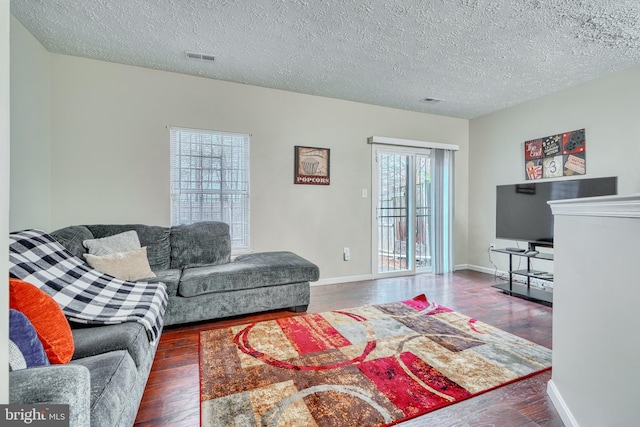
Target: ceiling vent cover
[199, 56]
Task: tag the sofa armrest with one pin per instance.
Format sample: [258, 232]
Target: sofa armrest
[55, 384]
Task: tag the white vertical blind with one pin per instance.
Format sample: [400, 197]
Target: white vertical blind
[210, 180]
[442, 216]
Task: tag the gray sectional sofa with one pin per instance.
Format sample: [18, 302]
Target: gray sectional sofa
[194, 261]
[106, 378]
[104, 382]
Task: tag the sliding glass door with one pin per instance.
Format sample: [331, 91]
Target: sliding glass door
[392, 212]
[423, 212]
[402, 212]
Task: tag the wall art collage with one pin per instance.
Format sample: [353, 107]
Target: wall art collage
[556, 155]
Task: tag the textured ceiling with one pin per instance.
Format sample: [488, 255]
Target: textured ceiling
[478, 56]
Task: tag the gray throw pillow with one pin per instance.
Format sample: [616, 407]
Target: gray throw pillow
[123, 242]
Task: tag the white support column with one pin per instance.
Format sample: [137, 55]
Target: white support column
[596, 344]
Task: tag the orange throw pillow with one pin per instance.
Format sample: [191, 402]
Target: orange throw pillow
[46, 317]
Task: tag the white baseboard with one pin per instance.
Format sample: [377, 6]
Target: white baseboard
[345, 279]
[362, 277]
[558, 402]
[485, 270]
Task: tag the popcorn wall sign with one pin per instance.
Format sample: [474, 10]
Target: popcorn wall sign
[311, 165]
[555, 156]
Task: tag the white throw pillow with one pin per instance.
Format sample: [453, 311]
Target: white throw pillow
[123, 242]
[16, 359]
[132, 265]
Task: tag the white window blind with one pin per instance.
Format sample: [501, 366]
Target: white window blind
[210, 180]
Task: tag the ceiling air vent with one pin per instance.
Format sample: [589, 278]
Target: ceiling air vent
[200, 56]
[431, 100]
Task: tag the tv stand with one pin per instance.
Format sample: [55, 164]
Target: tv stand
[532, 247]
[526, 291]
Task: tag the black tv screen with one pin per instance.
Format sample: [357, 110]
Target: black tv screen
[522, 212]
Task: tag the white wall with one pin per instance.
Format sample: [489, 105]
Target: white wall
[26, 187]
[607, 108]
[30, 131]
[110, 156]
[4, 195]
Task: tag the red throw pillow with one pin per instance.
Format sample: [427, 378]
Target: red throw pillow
[46, 317]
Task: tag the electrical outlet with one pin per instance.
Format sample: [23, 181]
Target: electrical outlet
[346, 254]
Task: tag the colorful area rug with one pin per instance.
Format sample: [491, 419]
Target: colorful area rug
[366, 366]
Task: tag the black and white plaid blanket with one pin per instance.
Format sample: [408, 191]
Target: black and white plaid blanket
[85, 295]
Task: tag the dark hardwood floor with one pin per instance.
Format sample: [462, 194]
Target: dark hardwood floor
[172, 395]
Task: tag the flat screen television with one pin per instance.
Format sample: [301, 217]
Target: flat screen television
[522, 212]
